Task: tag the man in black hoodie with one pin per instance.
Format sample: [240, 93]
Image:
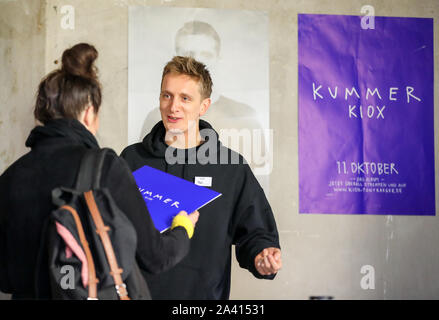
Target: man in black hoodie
[184, 145]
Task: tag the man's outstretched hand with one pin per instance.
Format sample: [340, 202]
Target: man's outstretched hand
[268, 261]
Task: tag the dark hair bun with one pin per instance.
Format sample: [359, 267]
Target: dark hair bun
[79, 60]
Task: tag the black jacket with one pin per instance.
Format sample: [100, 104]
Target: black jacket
[241, 216]
[25, 202]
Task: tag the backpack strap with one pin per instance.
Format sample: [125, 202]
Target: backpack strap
[102, 230]
[90, 170]
[89, 177]
[92, 280]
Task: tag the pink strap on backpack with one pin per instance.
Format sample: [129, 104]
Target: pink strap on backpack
[72, 246]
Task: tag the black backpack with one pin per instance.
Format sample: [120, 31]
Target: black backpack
[90, 244]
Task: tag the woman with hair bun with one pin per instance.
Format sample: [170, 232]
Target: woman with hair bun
[67, 105]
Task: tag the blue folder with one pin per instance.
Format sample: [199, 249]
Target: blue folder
[166, 195]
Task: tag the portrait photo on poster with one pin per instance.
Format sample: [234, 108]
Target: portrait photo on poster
[233, 44]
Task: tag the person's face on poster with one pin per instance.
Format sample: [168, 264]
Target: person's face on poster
[181, 104]
[202, 48]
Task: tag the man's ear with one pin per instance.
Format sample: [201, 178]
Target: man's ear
[205, 104]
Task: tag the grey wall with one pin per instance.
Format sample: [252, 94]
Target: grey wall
[22, 52]
[322, 254]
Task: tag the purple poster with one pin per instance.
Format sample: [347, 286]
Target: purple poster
[366, 125]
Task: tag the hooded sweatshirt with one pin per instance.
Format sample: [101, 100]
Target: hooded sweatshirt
[25, 204]
[242, 216]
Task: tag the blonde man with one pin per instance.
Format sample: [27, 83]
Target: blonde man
[184, 145]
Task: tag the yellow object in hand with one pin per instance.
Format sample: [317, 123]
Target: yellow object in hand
[185, 222]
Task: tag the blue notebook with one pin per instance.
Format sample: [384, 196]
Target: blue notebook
[166, 195]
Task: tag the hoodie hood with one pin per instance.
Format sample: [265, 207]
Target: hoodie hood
[180, 161]
[155, 144]
[70, 131]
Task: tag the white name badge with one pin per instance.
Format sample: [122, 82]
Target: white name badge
[203, 181]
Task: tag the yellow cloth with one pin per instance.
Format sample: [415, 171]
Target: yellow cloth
[185, 222]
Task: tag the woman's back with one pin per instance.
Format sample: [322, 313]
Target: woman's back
[25, 190]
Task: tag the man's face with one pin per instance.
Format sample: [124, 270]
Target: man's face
[181, 104]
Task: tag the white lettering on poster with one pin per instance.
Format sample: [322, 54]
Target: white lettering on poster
[357, 110]
[375, 168]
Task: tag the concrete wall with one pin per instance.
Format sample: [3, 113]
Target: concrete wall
[22, 52]
[322, 254]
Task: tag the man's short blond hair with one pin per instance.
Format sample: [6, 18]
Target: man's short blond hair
[192, 68]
